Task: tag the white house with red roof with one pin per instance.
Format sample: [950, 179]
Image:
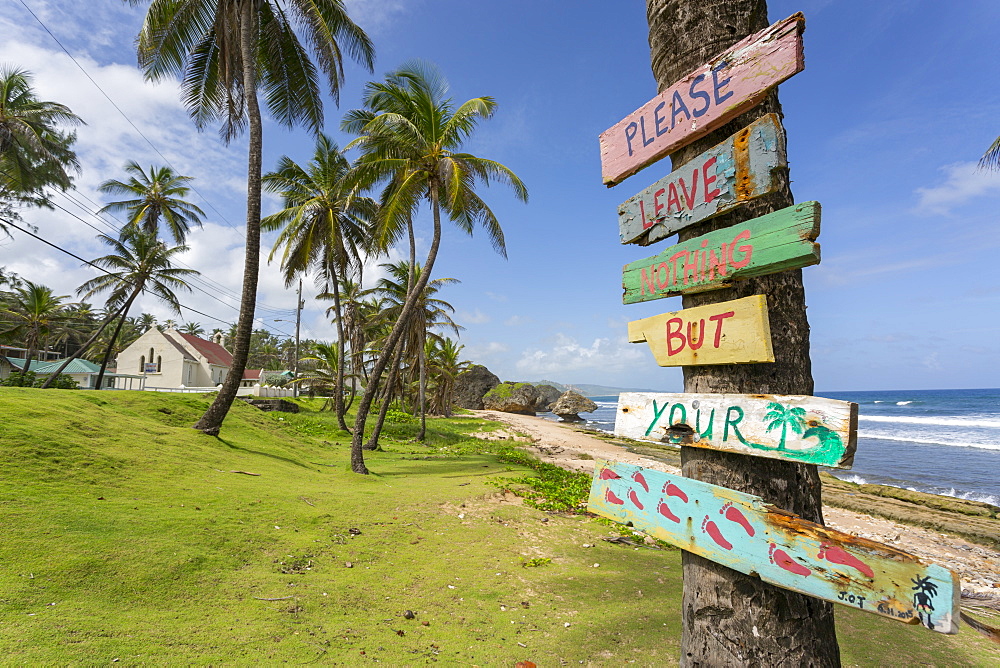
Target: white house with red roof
[174, 360]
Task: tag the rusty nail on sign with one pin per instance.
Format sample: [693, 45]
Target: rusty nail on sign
[746, 534]
[704, 100]
[741, 168]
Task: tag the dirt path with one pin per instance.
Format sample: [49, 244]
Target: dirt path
[977, 566]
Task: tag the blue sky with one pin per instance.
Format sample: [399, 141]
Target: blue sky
[885, 125]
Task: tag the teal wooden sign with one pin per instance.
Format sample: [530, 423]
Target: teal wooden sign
[741, 168]
[804, 429]
[775, 242]
[746, 534]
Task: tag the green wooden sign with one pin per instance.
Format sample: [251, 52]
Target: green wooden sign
[778, 241]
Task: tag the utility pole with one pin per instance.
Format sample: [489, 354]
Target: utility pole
[298, 322]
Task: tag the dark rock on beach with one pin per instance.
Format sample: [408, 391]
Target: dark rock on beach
[571, 404]
[471, 385]
[547, 395]
[512, 398]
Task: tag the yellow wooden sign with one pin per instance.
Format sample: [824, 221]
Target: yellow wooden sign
[733, 332]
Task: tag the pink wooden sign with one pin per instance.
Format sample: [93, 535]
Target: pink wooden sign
[715, 93]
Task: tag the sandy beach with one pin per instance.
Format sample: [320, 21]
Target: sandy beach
[574, 449]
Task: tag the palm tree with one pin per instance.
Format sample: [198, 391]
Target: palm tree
[154, 197]
[794, 418]
[322, 372]
[34, 152]
[443, 366]
[226, 52]
[33, 311]
[411, 137]
[138, 263]
[322, 224]
[147, 321]
[192, 328]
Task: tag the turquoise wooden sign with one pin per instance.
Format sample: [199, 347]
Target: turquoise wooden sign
[809, 430]
[746, 534]
[775, 242]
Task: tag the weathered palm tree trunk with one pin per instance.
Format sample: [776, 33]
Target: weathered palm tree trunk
[397, 357]
[211, 421]
[114, 337]
[731, 619]
[357, 454]
[339, 385]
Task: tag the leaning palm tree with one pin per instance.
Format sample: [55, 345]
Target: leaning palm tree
[138, 263]
[34, 152]
[227, 52]
[152, 199]
[411, 137]
[32, 312]
[429, 313]
[323, 223]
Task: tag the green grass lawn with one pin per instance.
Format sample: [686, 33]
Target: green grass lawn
[125, 534]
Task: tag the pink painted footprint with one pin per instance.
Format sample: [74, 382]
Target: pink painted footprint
[837, 555]
[734, 514]
[664, 510]
[670, 489]
[781, 558]
[608, 474]
[639, 478]
[634, 499]
[712, 529]
[611, 498]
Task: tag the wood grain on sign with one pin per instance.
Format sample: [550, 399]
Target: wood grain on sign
[742, 168]
[746, 534]
[718, 91]
[766, 245]
[733, 332]
[810, 430]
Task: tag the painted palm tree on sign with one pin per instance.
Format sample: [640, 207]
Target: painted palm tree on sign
[154, 199]
[138, 263]
[34, 152]
[227, 52]
[411, 136]
[323, 223]
[785, 418]
[32, 312]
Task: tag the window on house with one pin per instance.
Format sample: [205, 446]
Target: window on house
[151, 353]
[142, 364]
[159, 364]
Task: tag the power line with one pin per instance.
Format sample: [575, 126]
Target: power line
[99, 268]
[124, 115]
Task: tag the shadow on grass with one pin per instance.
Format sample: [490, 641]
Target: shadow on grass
[289, 460]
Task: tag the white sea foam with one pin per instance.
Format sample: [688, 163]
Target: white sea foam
[878, 401]
[974, 496]
[930, 441]
[855, 478]
[934, 421]
[903, 403]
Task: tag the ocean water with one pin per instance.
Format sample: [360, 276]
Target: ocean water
[937, 441]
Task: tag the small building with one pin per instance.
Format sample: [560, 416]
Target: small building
[171, 359]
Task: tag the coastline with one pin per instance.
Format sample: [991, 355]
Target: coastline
[977, 564]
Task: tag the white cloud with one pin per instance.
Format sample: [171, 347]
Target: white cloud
[475, 317]
[517, 320]
[606, 355]
[963, 182]
[374, 16]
